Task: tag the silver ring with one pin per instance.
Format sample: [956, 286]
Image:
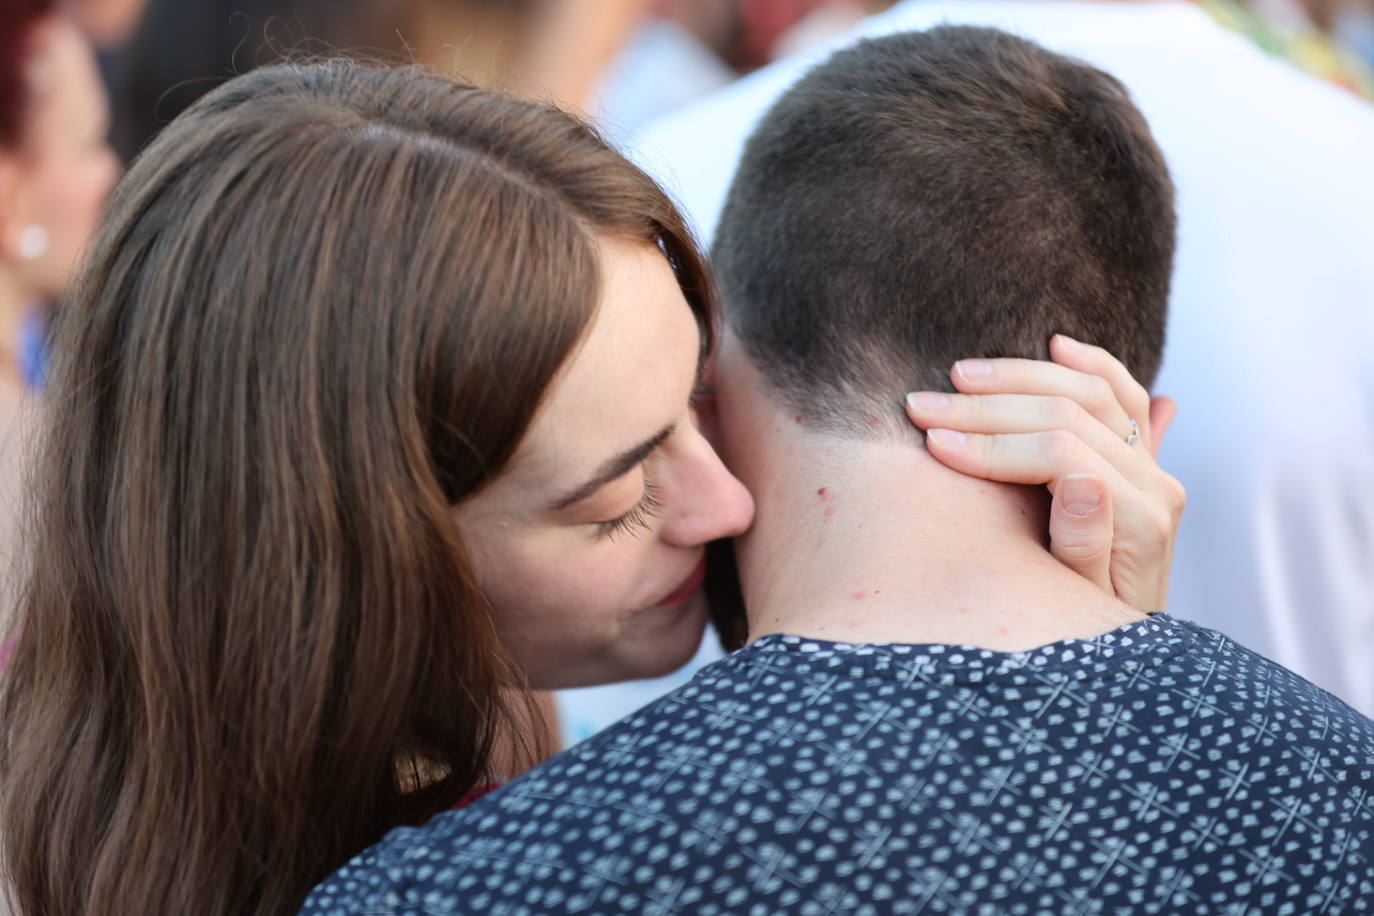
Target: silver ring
[1134, 437]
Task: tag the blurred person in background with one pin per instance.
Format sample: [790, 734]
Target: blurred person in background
[689, 48]
[620, 62]
[1271, 325]
[55, 172]
[107, 23]
[1314, 35]
[613, 60]
[181, 50]
[667, 59]
[751, 33]
[1353, 23]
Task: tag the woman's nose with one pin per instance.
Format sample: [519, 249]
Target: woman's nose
[712, 503]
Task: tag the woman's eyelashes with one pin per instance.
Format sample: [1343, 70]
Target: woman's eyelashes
[637, 519]
[643, 512]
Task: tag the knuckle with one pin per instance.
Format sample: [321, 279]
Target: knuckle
[1106, 362]
[1061, 446]
[1100, 393]
[990, 449]
[1136, 400]
[1175, 495]
[1159, 528]
[1087, 546]
[1065, 413]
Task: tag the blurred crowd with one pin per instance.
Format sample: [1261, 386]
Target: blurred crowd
[622, 61]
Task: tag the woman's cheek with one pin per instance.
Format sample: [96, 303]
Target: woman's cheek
[601, 583]
[586, 582]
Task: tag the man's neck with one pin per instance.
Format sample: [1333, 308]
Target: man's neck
[872, 542]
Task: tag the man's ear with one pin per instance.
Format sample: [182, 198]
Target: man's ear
[1163, 409]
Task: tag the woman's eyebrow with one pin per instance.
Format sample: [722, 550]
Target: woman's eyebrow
[618, 466]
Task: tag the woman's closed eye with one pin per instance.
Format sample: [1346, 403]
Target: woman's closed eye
[637, 518]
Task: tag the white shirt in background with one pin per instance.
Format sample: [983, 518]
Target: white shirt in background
[662, 68]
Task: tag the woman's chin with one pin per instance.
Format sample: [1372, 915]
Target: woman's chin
[655, 643]
[664, 639]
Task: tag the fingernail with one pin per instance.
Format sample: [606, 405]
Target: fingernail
[927, 400]
[1069, 342]
[1081, 493]
[947, 438]
[973, 368]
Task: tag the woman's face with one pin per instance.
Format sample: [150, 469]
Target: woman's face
[590, 547]
[64, 168]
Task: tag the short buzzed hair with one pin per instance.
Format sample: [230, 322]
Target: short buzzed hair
[930, 196]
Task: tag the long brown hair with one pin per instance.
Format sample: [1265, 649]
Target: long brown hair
[323, 308]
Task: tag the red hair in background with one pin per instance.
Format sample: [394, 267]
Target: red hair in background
[17, 19]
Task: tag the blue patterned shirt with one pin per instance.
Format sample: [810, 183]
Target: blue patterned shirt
[1158, 768]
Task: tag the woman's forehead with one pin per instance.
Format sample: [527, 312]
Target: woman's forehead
[630, 377]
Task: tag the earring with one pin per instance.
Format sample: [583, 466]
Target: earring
[33, 242]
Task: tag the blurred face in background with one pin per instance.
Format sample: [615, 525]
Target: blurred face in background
[57, 178]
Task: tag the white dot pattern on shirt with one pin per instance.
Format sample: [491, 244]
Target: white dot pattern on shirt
[1158, 768]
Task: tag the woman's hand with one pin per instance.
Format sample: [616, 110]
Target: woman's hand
[1068, 424]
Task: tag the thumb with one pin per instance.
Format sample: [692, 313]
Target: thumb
[1081, 528]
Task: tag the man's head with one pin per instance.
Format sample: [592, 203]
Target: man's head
[931, 196]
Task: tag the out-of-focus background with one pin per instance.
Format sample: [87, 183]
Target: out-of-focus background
[110, 73]
[620, 61]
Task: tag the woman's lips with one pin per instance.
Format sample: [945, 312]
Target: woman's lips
[689, 586]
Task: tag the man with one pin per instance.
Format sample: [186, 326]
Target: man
[1271, 318]
[915, 198]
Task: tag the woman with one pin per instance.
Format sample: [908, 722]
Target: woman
[55, 167]
[55, 171]
[276, 602]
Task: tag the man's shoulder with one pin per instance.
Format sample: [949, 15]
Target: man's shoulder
[849, 767]
[1258, 684]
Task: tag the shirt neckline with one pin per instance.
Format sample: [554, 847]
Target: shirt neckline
[1122, 651]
